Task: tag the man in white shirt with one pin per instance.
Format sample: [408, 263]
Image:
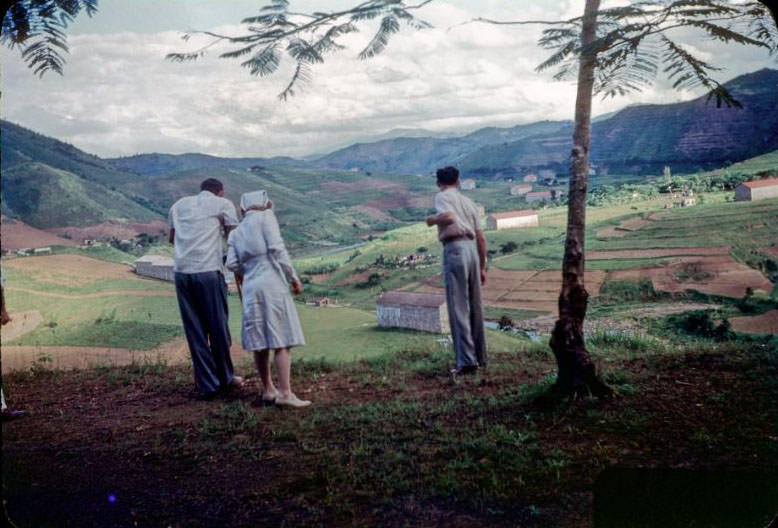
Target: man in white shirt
[198, 225]
[463, 269]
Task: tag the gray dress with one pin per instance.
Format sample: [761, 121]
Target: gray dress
[257, 250]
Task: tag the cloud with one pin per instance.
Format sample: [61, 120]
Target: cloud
[120, 97]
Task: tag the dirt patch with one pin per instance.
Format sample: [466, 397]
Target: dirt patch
[771, 251]
[355, 278]
[18, 235]
[625, 227]
[68, 270]
[715, 275]
[655, 253]
[125, 448]
[521, 289]
[23, 357]
[373, 212]
[108, 230]
[766, 323]
[108, 293]
[21, 323]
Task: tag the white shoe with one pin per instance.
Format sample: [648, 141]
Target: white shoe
[291, 401]
[269, 397]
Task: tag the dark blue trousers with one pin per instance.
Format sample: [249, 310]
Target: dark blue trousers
[202, 299]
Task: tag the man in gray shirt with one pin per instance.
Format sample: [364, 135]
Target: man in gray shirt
[198, 224]
[463, 269]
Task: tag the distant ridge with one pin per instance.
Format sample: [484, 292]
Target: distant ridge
[688, 136]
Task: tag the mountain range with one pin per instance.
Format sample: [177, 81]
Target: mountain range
[688, 136]
[48, 183]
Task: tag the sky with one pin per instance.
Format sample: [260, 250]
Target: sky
[120, 97]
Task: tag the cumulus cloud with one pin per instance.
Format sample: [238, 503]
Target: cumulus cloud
[120, 97]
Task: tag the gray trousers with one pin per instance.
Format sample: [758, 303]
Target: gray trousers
[461, 274]
[202, 299]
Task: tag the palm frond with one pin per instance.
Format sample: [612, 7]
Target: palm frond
[389, 26]
[265, 62]
[302, 76]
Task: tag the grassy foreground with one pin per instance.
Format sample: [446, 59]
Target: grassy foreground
[393, 441]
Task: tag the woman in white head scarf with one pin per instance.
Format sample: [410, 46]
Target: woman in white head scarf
[256, 250]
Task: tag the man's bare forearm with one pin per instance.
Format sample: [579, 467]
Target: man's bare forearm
[480, 242]
[441, 219]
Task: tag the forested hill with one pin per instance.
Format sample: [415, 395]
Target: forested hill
[48, 183]
[422, 155]
[688, 136]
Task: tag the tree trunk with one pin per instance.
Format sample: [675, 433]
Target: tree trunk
[577, 373]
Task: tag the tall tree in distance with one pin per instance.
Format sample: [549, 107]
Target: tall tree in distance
[37, 28]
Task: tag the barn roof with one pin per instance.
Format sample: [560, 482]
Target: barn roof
[761, 183]
[158, 260]
[430, 300]
[514, 214]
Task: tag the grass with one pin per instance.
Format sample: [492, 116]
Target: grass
[390, 440]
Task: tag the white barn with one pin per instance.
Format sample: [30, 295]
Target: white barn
[537, 196]
[523, 218]
[155, 266]
[521, 188]
[419, 311]
[467, 184]
[756, 190]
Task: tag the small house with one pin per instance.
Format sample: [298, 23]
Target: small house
[530, 178]
[756, 190]
[319, 301]
[537, 196]
[42, 251]
[419, 311]
[155, 266]
[521, 188]
[467, 184]
[524, 218]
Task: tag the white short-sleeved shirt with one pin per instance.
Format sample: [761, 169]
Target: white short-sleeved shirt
[466, 219]
[199, 223]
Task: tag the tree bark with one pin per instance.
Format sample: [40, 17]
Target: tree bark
[577, 374]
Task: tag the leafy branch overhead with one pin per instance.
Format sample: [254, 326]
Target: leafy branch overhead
[306, 38]
[634, 41]
[38, 27]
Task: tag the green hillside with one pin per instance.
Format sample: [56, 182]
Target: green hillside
[43, 197]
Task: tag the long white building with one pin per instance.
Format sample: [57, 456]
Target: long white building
[523, 218]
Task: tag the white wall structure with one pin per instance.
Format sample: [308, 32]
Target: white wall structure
[524, 218]
[419, 311]
[756, 190]
[521, 188]
[155, 266]
[467, 184]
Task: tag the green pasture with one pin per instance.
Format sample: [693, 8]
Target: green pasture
[336, 334]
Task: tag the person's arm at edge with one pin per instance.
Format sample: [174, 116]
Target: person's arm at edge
[480, 242]
[5, 317]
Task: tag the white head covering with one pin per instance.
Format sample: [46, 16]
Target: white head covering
[253, 198]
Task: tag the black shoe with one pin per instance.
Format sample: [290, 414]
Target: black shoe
[206, 396]
[13, 414]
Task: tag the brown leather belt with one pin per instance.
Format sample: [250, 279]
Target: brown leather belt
[456, 239]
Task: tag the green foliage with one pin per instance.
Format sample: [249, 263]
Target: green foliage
[700, 323]
[38, 27]
[634, 41]
[307, 40]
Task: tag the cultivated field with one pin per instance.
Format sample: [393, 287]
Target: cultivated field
[18, 235]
